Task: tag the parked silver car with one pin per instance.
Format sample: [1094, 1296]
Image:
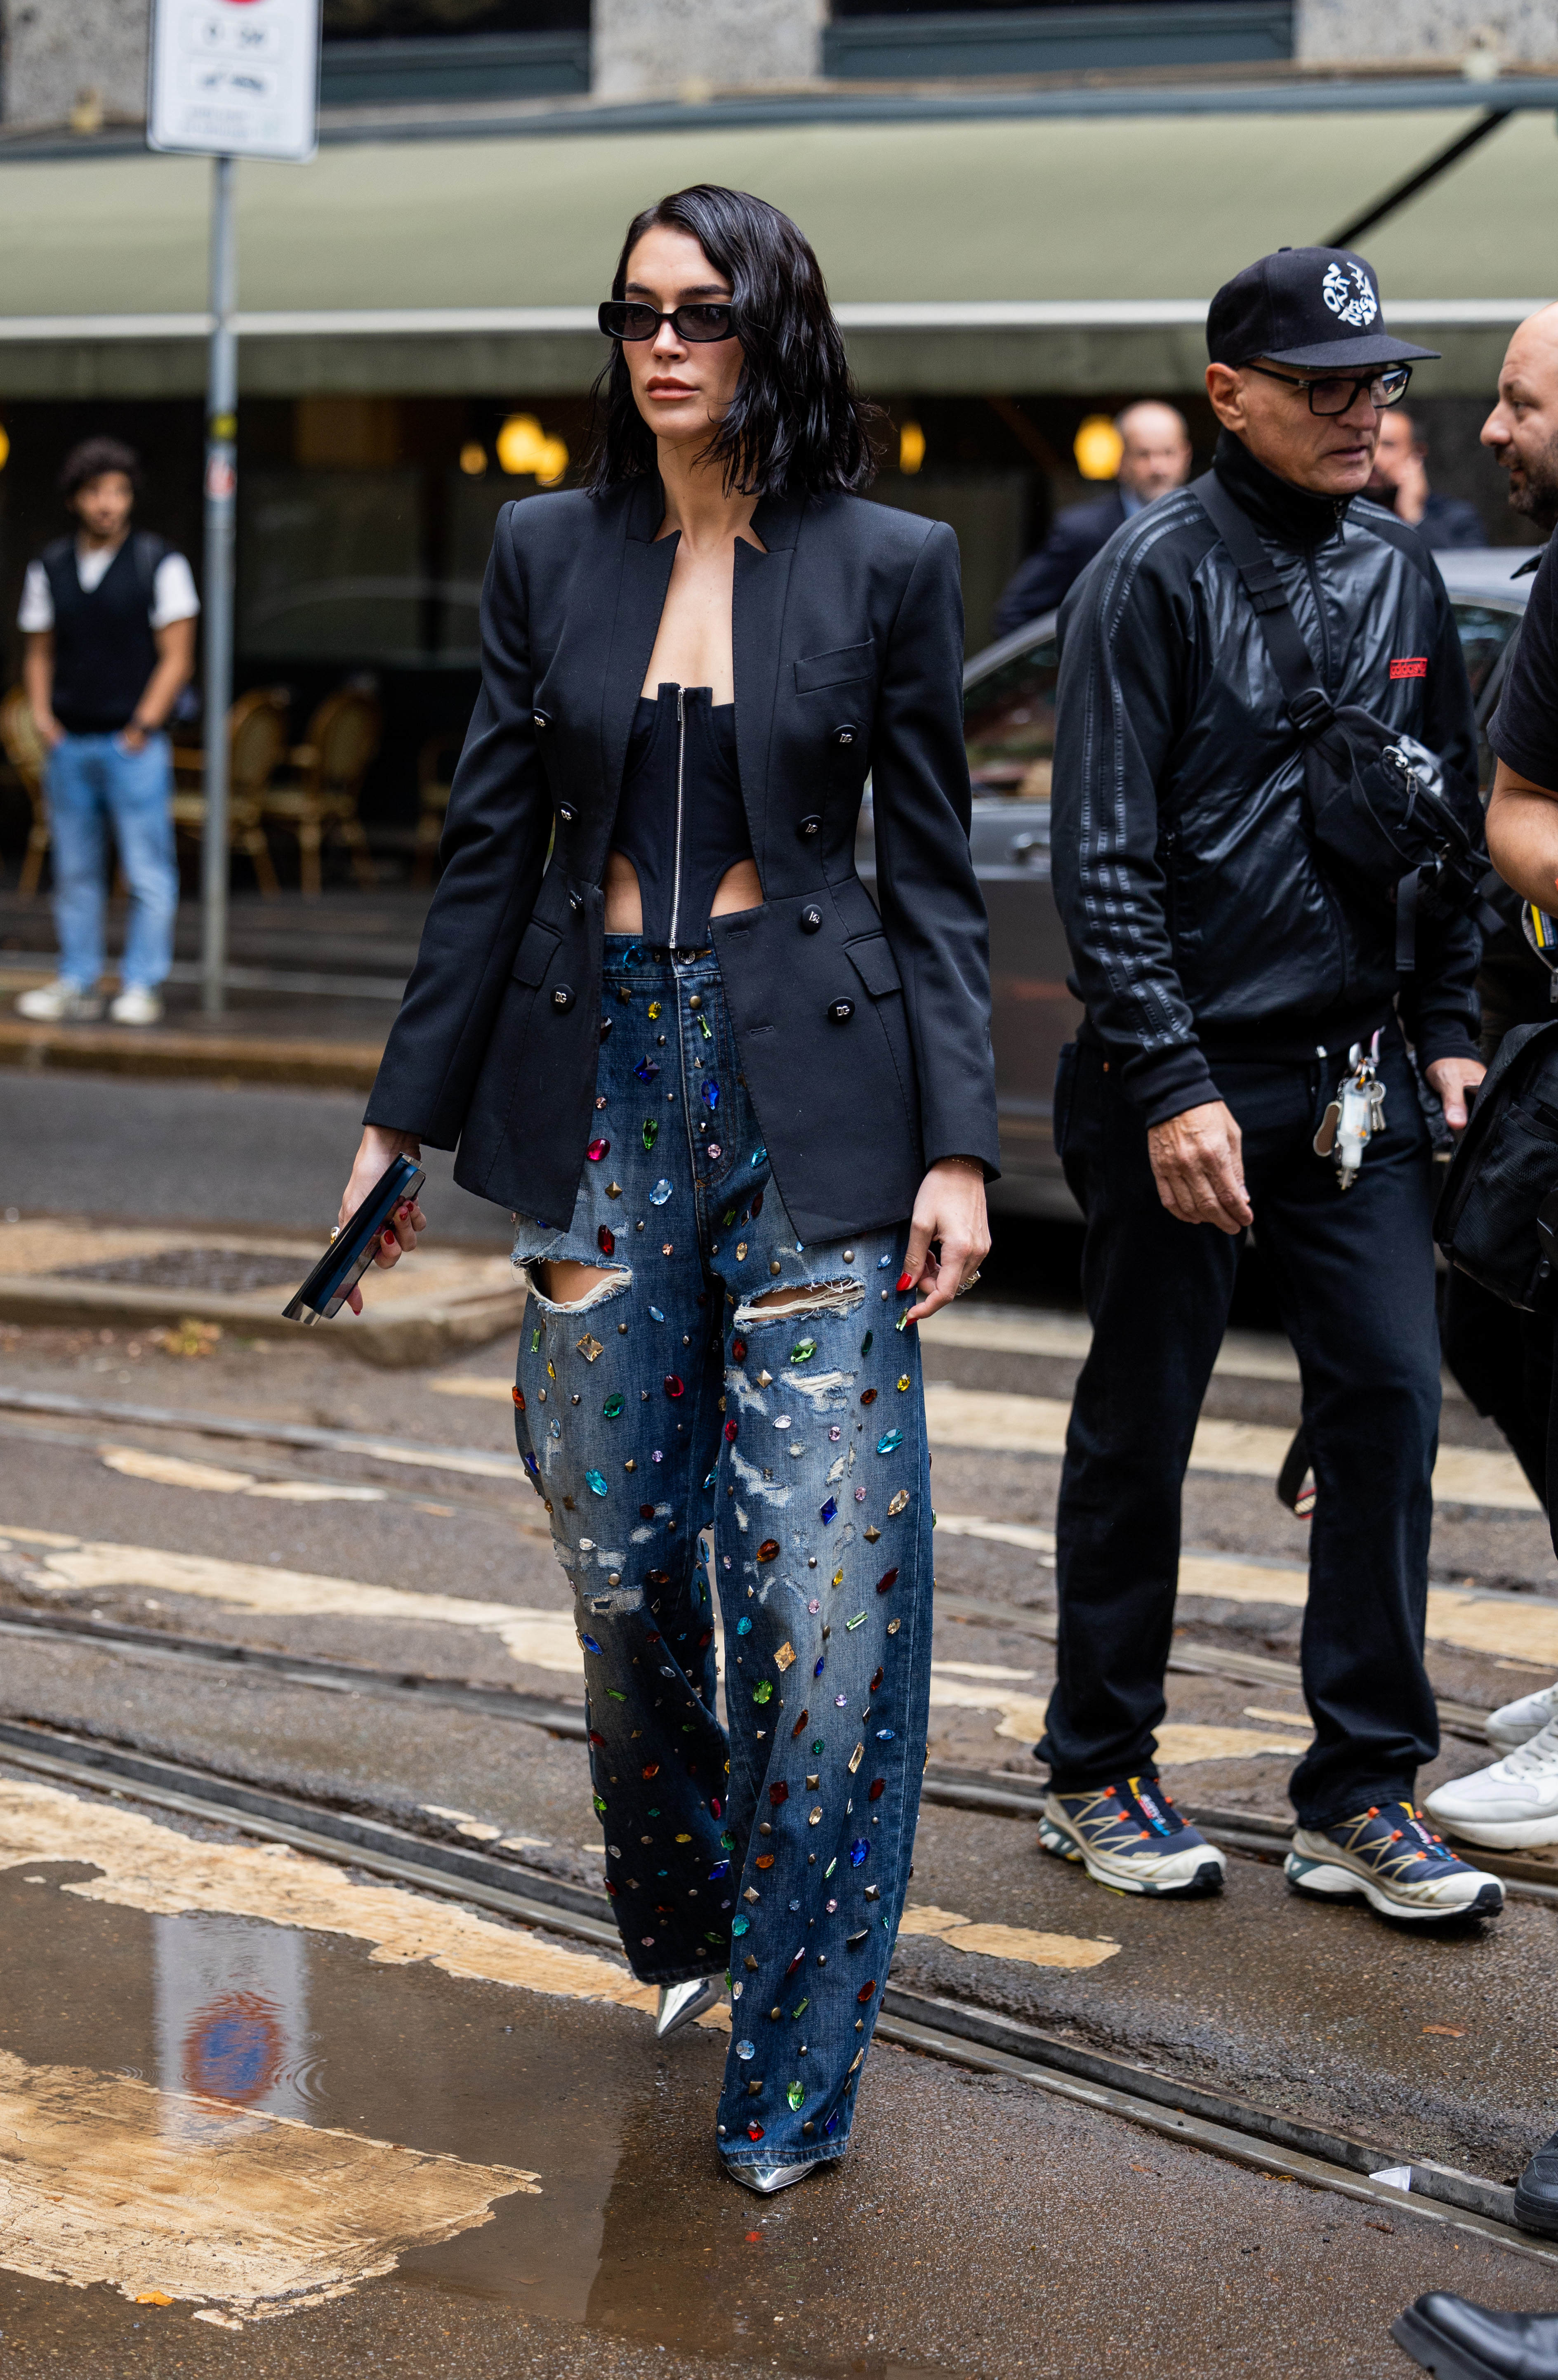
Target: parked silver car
[1008, 712]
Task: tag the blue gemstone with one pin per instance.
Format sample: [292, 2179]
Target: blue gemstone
[645, 1070]
[743, 1626]
[721, 1867]
[831, 1510]
[659, 1193]
[740, 1924]
[595, 1483]
[759, 1157]
[532, 1466]
[712, 1477]
[860, 1851]
[889, 1441]
[655, 1314]
[885, 1734]
[818, 1670]
[711, 1096]
[589, 1643]
[884, 1263]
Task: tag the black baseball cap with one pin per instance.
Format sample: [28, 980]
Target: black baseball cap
[1315, 307]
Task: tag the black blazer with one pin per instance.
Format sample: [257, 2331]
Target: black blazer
[847, 647]
[1048, 577]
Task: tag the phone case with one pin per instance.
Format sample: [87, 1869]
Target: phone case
[350, 1253]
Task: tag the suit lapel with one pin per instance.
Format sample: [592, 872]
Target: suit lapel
[762, 586]
[641, 593]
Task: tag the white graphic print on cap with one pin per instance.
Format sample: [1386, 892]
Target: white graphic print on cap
[1348, 291]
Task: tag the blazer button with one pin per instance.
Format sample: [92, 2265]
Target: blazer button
[575, 902]
[810, 921]
[839, 1011]
[809, 828]
[542, 720]
[562, 998]
[844, 737]
[567, 813]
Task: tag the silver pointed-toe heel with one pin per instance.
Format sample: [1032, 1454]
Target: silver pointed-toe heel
[679, 2003]
[765, 2179]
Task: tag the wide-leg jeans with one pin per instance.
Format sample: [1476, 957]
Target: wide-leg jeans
[1354, 1270]
[672, 1403]
[96, 785]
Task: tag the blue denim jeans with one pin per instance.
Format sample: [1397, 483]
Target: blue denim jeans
[670, 1402]
[93, 783]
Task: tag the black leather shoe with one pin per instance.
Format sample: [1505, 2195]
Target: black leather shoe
[1456, 2340]
[1536, 2196]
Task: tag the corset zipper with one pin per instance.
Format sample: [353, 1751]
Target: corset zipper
[680, 759]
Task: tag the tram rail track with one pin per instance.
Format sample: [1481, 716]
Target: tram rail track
[1264, 2138]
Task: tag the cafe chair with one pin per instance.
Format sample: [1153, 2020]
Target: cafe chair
[24, 750]
[256, 747]
[343, 736]
[435, 773]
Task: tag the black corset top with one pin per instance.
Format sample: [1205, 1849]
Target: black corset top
[681, 820]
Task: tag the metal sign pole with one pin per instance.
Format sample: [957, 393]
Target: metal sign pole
[222, 480]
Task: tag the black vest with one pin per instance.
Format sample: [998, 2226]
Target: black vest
[104, 646]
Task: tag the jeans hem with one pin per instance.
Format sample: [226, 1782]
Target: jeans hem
[1360, 1797]
[797, 2156]
[679, 1976]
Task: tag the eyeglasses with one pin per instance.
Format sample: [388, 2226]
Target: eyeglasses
[1386, 388]
[700, 325]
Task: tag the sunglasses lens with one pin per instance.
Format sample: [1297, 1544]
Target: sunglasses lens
[703, 323]
[620, 320]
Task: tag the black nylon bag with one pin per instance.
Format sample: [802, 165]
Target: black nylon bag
[1489, 1222]
[1371, 811]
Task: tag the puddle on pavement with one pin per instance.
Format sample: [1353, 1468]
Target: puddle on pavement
[247, 2118]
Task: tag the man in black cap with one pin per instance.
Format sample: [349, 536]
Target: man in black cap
[1229, 965]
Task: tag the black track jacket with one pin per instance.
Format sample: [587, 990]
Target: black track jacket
[1201, 921]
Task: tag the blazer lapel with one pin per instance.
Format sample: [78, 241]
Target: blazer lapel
[641, 593]
[762, 585]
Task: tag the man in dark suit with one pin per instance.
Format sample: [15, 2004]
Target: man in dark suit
[1155, 457]
[1399, 482]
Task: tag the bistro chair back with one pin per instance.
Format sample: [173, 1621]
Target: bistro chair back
[343, 736]
[23, 748]
[256, 748]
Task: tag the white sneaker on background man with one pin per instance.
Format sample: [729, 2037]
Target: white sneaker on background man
[59, 1002]
[1516, 1723]
[1510, 1806]
[135, 1005]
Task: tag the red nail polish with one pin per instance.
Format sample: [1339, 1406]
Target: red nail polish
[905, 1280]
[389, 1239]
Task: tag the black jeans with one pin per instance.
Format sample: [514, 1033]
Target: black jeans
[1503, 1360]
[1355, 1270]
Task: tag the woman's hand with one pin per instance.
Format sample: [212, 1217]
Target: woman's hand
[376, 1151]
[949, 1208]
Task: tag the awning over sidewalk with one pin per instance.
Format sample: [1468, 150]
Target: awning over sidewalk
[1015, 253]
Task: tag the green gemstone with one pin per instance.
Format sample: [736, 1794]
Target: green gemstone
[599, 1807]
[803, 1351]
[818, 1747]
[828, 1869]
[612, 1407]
[651, 1130]
[764, 1692]
[865, 1343]
[800, 2009]
[795, 2095]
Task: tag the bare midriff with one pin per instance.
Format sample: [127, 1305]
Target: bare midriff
[738, 888]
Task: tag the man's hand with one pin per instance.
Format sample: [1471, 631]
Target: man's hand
[949, 1208]
[132, 737]
[1452, 1079]
[1198, 1164]
[47, 728]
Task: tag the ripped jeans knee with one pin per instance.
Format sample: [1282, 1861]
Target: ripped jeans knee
[803, 1298]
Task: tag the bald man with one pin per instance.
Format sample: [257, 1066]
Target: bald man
[1522, 429]
[1154, 458]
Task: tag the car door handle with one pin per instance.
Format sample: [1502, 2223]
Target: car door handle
[1022, 847]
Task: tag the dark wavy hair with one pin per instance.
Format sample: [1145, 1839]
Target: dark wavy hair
[92, 458]
[796, 424]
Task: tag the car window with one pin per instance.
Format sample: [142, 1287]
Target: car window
[1485, 629]
[1008, 724]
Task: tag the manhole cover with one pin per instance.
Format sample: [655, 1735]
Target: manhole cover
[222, 1272]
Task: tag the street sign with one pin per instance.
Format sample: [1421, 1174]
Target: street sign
[235, 77]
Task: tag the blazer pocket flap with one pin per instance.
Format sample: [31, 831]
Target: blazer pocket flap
[538, 948]
[837, 668]
[874, 965]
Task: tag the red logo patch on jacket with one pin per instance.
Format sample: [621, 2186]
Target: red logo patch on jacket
[1415, 667]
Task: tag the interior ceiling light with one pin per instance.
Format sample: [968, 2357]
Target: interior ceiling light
[473, 458]
[524, 451]
[1098, 447]
[910, 447]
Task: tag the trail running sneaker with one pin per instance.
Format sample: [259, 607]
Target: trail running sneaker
[1516, 1723]
[1509, 1805]
[1131, 1837]
[1401, 1869]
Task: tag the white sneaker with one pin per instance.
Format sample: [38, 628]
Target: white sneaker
[1516, 1723]
[1510, 1806]
[56, 1003]
[137, 1006]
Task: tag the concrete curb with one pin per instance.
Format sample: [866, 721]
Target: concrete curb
[159, 1051]
[400, 1336]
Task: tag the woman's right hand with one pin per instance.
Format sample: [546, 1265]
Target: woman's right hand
[376, 1152]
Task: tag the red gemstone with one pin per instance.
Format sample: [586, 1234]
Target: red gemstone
[610, 1889]
[754, 2132]
[738, 1350]
[519, 1399]
[768, 1549]
[716, 1808]
[879, 1787]
[597, 1151]
[780, 1793]
[757, 1204]
[597, 1738]
[864, 1993]
[606, 1241]
[653, 1770]
[797, 1961]
[730, 1433]
[672, 1385]
[877, 1679]
[869, 1397]
[646, 1512]
[887, 1579]
[799, 1725]
[706, 1640]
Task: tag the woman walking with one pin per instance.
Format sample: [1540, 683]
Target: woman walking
[744, 1120]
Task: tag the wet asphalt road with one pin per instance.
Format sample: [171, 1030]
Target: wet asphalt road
[977, 2228]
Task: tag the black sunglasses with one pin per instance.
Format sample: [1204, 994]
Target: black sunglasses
[1339, 396]
[700, 325]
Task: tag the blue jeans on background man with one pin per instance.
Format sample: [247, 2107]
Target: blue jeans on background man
[93, 781]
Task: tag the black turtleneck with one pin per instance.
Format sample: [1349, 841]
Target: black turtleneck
[1292, 516]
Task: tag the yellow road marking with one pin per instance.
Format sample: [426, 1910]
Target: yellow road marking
[1009, 1941]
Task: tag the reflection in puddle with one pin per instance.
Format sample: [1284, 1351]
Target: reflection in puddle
[232, 2016]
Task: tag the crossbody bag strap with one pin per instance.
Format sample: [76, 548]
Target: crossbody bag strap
[1309, 706]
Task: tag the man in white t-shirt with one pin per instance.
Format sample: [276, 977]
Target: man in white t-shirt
[108, 616]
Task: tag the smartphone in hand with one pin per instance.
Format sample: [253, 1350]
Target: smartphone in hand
[351, 1252]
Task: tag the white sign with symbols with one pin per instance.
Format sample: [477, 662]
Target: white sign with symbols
[236, 78]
